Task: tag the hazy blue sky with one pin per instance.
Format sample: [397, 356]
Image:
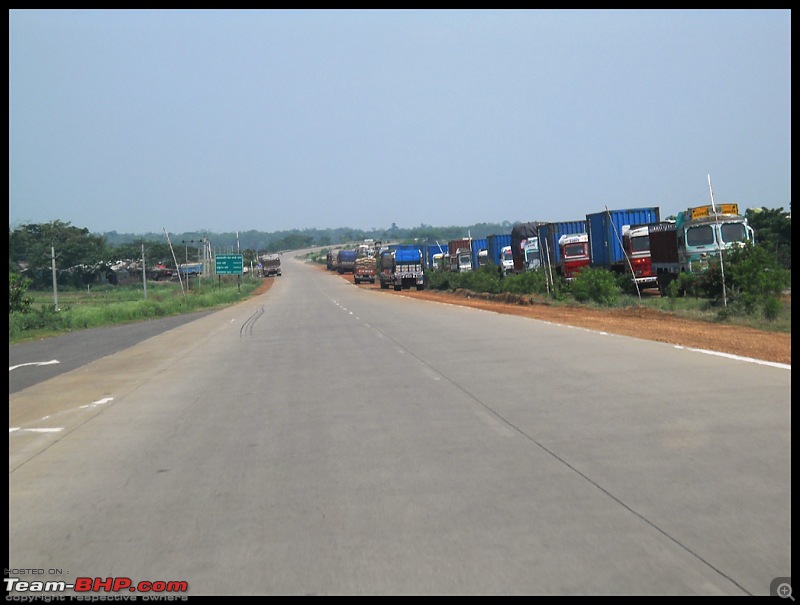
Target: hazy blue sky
[135, 121]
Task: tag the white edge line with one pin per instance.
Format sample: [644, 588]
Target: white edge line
[773, 364]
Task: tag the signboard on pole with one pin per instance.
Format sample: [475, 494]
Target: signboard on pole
[228, 264]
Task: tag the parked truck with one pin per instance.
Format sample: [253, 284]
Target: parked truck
[401, 268]
[480, 254]
[695, 239]
[618, 242]
[346, 261]
[525, 246]
[431, 258]
[550, 234]
[271, 265]
[460, 253]
[190, 269]
[495, 247]
[507, 260]
[331, 259]
[365, 269]
[573, 254]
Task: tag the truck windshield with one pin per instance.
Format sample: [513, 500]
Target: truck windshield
[640, 244]
[733, 232]
[700, 236]
[573, 250]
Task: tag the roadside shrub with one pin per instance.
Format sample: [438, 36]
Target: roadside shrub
[672, 293]
[485, 279]
[18, 299]
[752, 276]
[755, 271]
[43, 318]
[688, 284]
[527, 282]
[439, 280]
[626, 283]
[596, 285]
[771, 308]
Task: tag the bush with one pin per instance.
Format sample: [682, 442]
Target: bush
[688, 284]
[596, 285]
[18, 299]
[771, 308]
[626, 283]
[528, 282]
[752, 276]
[485, 279]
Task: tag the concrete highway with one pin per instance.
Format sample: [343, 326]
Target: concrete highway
[324, 439]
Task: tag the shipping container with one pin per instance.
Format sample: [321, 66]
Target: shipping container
[477, 259]
[494, 245]
[605, 231]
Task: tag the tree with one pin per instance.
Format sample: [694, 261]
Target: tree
[33, 244]
[18, 299]
[773, 230]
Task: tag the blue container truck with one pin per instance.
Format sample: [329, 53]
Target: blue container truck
[401, 268]
[610, 236]
[430, 251]
[479, 253]
[494, 245]
[346, 261]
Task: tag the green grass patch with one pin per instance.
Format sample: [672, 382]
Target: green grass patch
[112, 305]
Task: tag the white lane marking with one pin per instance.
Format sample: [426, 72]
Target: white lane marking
[34, 363]
[96, 403]
[55, 430]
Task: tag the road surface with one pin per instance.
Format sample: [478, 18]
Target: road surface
[323, 439]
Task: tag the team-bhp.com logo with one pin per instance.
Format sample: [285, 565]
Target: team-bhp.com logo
[95, 585]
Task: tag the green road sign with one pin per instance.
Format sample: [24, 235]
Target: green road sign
[228, 264]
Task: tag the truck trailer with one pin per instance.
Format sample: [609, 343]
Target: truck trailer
[618, 242]
[495, 244]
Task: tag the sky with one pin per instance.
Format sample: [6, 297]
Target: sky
[137, 121]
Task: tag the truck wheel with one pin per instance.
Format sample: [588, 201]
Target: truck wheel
[398, 288]
[384, 285]
[420, 288]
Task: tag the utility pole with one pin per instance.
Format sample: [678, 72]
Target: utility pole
[55, 282]
[175, 260]
[718, 238]
[144, 273]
